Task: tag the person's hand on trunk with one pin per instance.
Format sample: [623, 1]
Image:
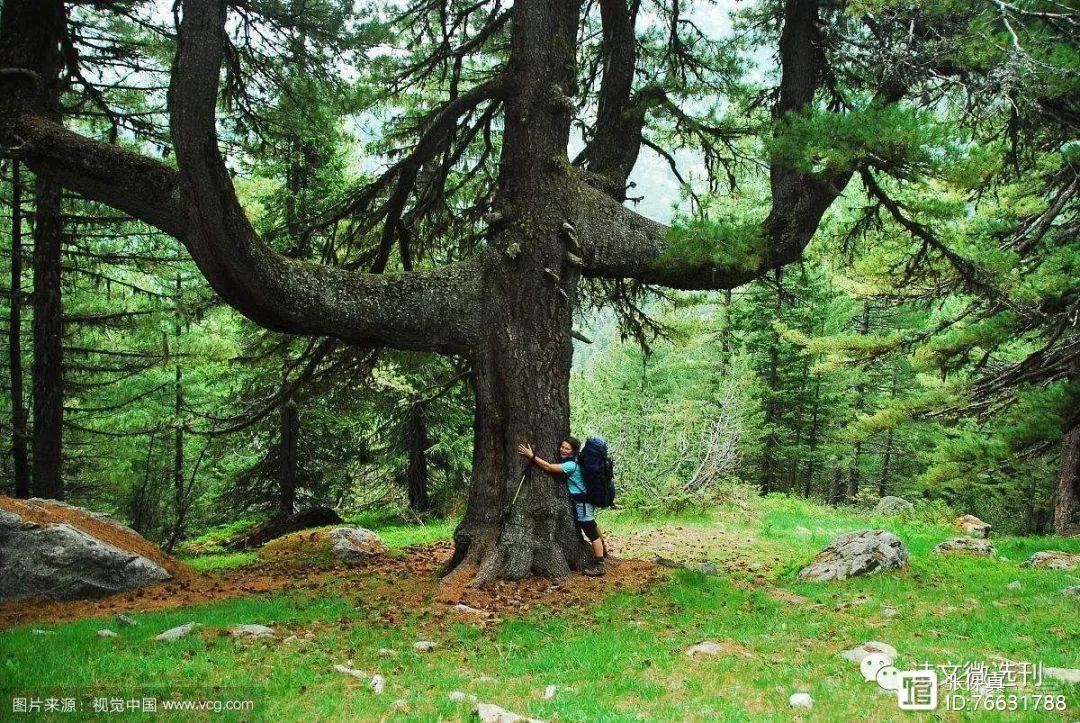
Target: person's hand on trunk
[526, 450]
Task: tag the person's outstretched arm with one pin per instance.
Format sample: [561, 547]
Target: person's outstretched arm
[526, 450]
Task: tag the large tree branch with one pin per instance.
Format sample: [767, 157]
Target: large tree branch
[197, 204]
[619, 242]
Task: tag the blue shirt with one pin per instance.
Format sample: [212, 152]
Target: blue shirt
[574, 481]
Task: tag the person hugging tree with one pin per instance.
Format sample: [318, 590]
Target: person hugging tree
[575, 483]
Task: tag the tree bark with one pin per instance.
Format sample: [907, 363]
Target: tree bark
[416, 444]
[48, 367]
[18, 405]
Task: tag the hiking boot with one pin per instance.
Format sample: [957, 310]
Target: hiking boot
[596, 570]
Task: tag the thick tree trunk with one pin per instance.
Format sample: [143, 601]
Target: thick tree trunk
[518, 520]
[18, 405]
[48, 369]
[416, 443]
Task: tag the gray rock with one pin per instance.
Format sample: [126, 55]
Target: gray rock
[889, 612]
[1052, 560]
[60, 562]
[1014, 585]
[707, 568]
[424, 646]
[966, 546]
[377, 684]
[106, 633]
[356, 543]
[126, 620]
[257, 631]
[1073, 591]
[178, 632]
[890, 505]
[857, 553]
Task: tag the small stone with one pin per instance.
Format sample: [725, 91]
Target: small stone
[549, 692]
[359, 674]
[458, 696]
[387, 652]
[860, 651]
[486, 679]
[1073, 591]
[424, 646]
[106, 633]
[706, 648]
[889, 612]
[490, 713]
[1052, 560]
[255, 631]
[1014, 585]
[707, 568]
[1065, 675]
[177, 632]
[463, 608]
[966, 546]
[801, 700]
[378, 684]
[126, 620]
[400, 704]
[39, 631]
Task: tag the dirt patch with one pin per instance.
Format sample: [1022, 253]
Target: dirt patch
[408, 581]
[47, 512]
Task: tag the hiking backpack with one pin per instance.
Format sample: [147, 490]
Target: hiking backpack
[598, 472]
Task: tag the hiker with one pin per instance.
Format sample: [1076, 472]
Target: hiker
[583, 511]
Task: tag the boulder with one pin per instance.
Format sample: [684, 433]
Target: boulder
[857, 553]
[356, 543]
[1053, 560]
[972, 526]
[56, 551]
[890, 505]
[324, 546]
[966, 546]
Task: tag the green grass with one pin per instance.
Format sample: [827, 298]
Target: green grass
[623, 658]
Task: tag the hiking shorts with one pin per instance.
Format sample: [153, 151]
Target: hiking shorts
[583, 512]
